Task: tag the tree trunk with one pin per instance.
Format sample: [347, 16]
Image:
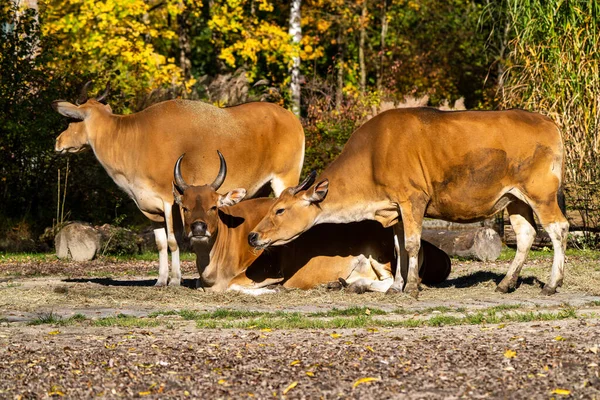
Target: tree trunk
[296, 34]
[361, 48]
[384, 29]
[339, 95]
[482, 244]
[184, 45]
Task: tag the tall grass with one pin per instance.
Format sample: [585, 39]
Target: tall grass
[553, 66]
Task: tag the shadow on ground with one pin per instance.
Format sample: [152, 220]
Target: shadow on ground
[188, 283]
[479, 277]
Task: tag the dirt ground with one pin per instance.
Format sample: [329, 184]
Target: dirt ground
[535, 359]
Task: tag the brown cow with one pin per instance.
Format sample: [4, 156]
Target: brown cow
[359, 253]
[264, 141]
[459, 166]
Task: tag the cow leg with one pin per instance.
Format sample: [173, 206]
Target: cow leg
[557, 226]
[523, 223]
[172, 243]
[160, 236]
[412, 220]
[361, 277]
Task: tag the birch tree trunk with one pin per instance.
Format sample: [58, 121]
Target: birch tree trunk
[296, 33]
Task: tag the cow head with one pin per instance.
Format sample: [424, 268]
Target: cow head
[77, 136]
[199, 204]
[292, 214]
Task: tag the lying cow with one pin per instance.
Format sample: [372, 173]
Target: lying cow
[361, 254]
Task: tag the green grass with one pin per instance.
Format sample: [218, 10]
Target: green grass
[508, 254]
[54, 319]
[126, 321]
[346, 312]
[7, 257]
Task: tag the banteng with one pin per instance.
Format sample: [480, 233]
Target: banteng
[264, 142]
[460, 166]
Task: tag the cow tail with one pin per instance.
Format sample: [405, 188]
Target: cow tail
[560, 196]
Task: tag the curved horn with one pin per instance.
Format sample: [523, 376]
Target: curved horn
[83, 96]
[222, 173]
[102, 98]
[179, 182]
[306, 183]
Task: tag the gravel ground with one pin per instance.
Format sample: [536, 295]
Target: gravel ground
[520, 360]
[529, 360]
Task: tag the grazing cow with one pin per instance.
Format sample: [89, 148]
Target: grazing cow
[460, 166]
[264, 141]
[359, 253]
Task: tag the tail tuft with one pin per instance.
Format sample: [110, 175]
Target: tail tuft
[560, 196]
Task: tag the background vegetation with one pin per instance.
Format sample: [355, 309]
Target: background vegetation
[358, 57]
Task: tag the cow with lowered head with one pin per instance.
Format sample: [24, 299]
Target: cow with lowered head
[360, 254]
[264, 141]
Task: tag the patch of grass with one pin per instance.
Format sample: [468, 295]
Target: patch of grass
[126, 321]
[7, 257]
[46, 318]
[594, 303]
[347, 312]
[504, 307]
[148, 256]
[508, 254]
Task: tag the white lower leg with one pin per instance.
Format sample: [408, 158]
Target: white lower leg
[558, 233]
[160, 237]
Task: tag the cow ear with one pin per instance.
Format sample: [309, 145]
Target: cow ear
[177, 195]
[318, 193]
[69, 110]
[231, 198]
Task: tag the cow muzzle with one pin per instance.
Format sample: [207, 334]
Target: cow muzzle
[199, 231]
[255, 241]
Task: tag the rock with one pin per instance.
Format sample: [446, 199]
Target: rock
[483, 244]
[77, 241]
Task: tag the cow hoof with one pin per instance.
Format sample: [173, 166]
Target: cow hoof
[160, 283]
[548, 290]
[175, 282]
[334, 286]
[393, 290]
[502, 288]
[356, 288]
[412, 291]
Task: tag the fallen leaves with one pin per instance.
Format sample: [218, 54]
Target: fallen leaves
[364, 380]
[510, 353]
[53, 332]
[336, 335]
[562, 392]
[290, 387]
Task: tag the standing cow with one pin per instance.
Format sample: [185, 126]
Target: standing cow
[264, 143]
[460, 166]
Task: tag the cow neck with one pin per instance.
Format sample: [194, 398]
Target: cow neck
[351, 196]
[114, 141]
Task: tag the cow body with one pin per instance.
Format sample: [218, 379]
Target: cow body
[360, 253]
[264, 143]
[461, 166]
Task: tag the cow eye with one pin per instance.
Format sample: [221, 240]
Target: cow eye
[280, 211]
[213, 208]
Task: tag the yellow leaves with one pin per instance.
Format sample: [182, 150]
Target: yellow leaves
[336, 335]
[364, 380]
[54, 332]
[510, 353]
[295, 362]
[310, 373]
[290, 387]
[221, 381]
[56, 391]
[559, 338]
[562, 392]
[146, 393]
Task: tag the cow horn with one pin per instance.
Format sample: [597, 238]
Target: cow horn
[222, 173]
[104, 95]
[306, 183]
[83, 96]
[179, 182]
